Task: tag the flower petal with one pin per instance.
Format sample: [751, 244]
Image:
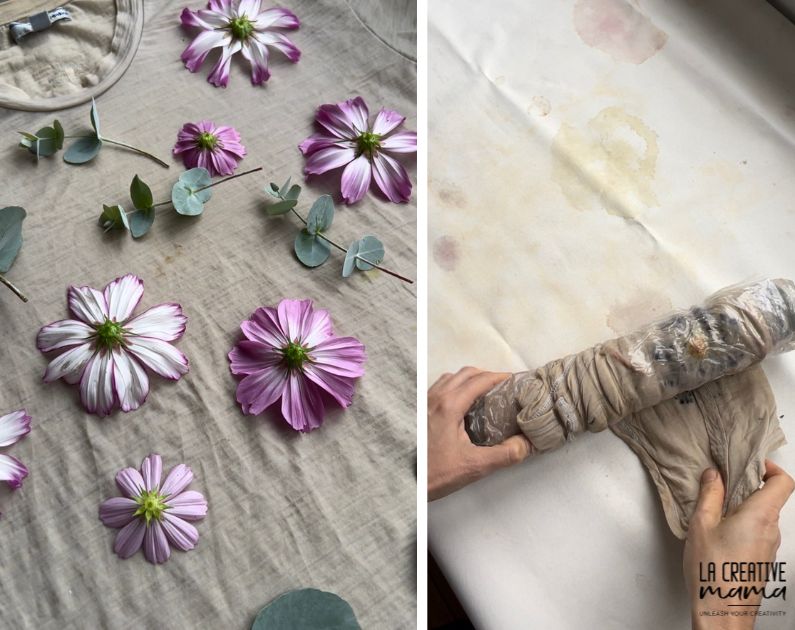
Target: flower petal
[62, 334]
[336, 122]
[328, 159]
[177, 480]
[257, 55]
[96, 384]
[14, 426]
[294, 317]
[248, 356]
[151, 471]
[129, 380]
[343, 356]
[400, 142]
[204, 19]
[259, 390]
[280, 43]
[117, 511]
[341, 388]
[318, 141]
[386, 120]
[356, 179]
[130, 482]
[196, 52]
[179, 532]
[355, 110]
[122, 296]
[302, 405]
[264, 326]
[249, 8]
[164, 321]
[156, 547]
[391, 178]
[190, 505]
[70, 365]
[130, 538]
[219, 76]
[318, 328]
[87, 304]
[276, 18]
[159, 356]
[12, 471]
[221, 6]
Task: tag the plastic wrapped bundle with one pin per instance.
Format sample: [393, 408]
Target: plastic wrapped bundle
[736, 328]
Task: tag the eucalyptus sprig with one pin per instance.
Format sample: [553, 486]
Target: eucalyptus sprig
[11, 219]
[188, 196]
[312, 244]
[48, 140]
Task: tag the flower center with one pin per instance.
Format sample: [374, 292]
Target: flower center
[294, 355]
[241, 27]
[206, 140]
[368, 142]
[110, 334]
[151, 505]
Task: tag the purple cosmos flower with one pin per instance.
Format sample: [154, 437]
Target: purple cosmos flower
[238, 26]
[291, 352]
[106, 349]
[13, 427]
[347, 139]
[153, 515]
[216, 149]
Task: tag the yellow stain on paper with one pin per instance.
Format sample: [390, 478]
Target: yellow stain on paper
[610, 164]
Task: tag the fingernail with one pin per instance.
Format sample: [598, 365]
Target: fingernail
[710, 474]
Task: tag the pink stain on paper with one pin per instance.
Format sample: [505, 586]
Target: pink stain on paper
[445, 252]
[617, 28]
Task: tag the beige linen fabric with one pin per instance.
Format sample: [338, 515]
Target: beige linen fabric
[73, 60]
[730, 423]
[334, 509]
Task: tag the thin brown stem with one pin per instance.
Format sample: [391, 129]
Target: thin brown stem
[137, 150]
[227, 179]
[14, 289]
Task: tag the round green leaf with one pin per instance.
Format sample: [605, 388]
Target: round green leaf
[307, 609]
[46, 142]
[280, 207]
[83, 150]
[320, 215]
[370, 248]
[59, 135]
[140, 194]
[11, 219]
[350, 259]
[140, 221]
[311, 250]
[190, 193]
[95, 117]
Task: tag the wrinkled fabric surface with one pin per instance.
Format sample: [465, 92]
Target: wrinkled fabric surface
[730, 424]
[334, 509]
[72, 60]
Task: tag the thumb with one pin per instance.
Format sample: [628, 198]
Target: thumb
[512, 451]
[709, 508]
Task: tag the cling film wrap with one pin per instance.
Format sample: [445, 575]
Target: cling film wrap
[735, 329]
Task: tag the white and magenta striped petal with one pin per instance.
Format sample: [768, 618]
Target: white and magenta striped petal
[259, 390]
[336, 122]
[302, 405]
[391, 178]
[13, 427]
[257, 55]
[87, 304]
[328, 159]
[343, 356]
[122, 296]
[249, 356]
[70, 365]
[318, 141]
[386, 120]
[129, 380]
[164, 321]
[356, 179]
[159, 356]
[63, 334]
[96, 384]
[196, 52]
[249, 8]
[400, 142]
[280, 43]
[12, 471]
[341, 388]
[219, 75]
[355, 110]
[276, 18]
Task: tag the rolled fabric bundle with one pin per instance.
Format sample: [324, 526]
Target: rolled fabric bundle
[735, 329]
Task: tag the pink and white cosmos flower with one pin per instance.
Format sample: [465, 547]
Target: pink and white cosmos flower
[238, 26]
[216, 149]
[154, 516]
[291, 353]
[105, 349]
[348, 139]
[13, 427]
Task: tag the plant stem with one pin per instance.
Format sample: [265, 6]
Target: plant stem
[345, 251]
[226, 179]
[137, 150]
[16, 291]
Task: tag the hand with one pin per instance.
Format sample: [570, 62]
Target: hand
[453, 461]
[750, 534]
